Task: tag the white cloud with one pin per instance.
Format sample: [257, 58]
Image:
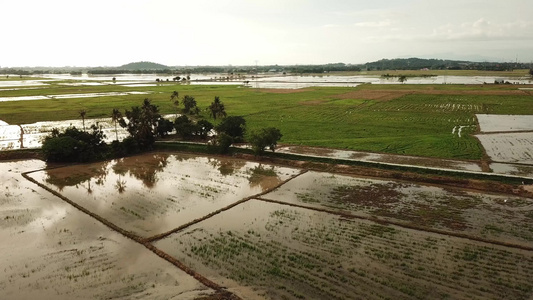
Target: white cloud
[384, 23]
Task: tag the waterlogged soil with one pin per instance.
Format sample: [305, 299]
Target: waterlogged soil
[158, 192]
[383, 158]
[50, 250]
[505, 219]
[501, 123]
[512, 147]
[282, 252]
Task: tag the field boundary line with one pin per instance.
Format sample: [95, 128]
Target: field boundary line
[102, 220]
[216, 212]
[128, 234]
[400, 224]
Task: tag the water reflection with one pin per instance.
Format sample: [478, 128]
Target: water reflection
[78, 177]
[226, 166]
[264, 177]
[156, 192]
[141, 168]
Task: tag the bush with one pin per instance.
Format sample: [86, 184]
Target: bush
[220, 144]
[184, 127]
[265, 137]
[203, 127]
[74, 145]
[234, 126]
[164, 126]
[62, 148]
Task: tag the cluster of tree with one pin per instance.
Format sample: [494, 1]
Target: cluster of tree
[144, 124]
[323, 68]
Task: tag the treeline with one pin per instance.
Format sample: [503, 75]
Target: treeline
[111, 71]
[440, 64]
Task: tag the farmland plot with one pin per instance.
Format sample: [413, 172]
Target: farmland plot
[500, 218]
[516, 147]
[500, 123]
[283, 252]
[155, 193]
[511, 140]
[52, 251]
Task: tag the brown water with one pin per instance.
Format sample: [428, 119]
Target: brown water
[285, 252]
[52, 251]
[154, 193]
[448, 209]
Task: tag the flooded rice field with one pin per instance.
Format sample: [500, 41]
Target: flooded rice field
[71, 96]
[514, 147]
[446, 209]
[152, 194]
[277, 80]
[50, 251]
[283, 252]
[507, 138]
[261, 231]
[499, 123]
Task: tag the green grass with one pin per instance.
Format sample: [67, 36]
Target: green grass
[415, 124]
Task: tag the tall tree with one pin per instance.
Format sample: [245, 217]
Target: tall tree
[175, 100]
[116, 116]
[83, 112]
[217, 109]
[189, 104]
[142, 123]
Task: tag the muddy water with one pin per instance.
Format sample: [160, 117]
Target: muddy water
[498, 217]
[285, 252]
[52, 251]
[155, 193]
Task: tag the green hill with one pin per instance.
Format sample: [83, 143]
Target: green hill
[143, 65]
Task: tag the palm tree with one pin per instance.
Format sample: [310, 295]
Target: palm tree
[174, 99]
[83, 112]
[217, 108]
[115, 117]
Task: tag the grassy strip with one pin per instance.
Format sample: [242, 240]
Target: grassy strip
[513, 180]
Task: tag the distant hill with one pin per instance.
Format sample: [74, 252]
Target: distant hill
[414, 63]
[143, 65]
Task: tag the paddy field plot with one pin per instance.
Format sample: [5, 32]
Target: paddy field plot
[155, 193]
[284, 252]
[296, 235]
[50, 251]
[507, 138]
[505, 123]
[493, 217]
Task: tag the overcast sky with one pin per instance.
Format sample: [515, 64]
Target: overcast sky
[241, 32]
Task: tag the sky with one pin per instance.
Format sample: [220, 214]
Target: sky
[265, 32]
